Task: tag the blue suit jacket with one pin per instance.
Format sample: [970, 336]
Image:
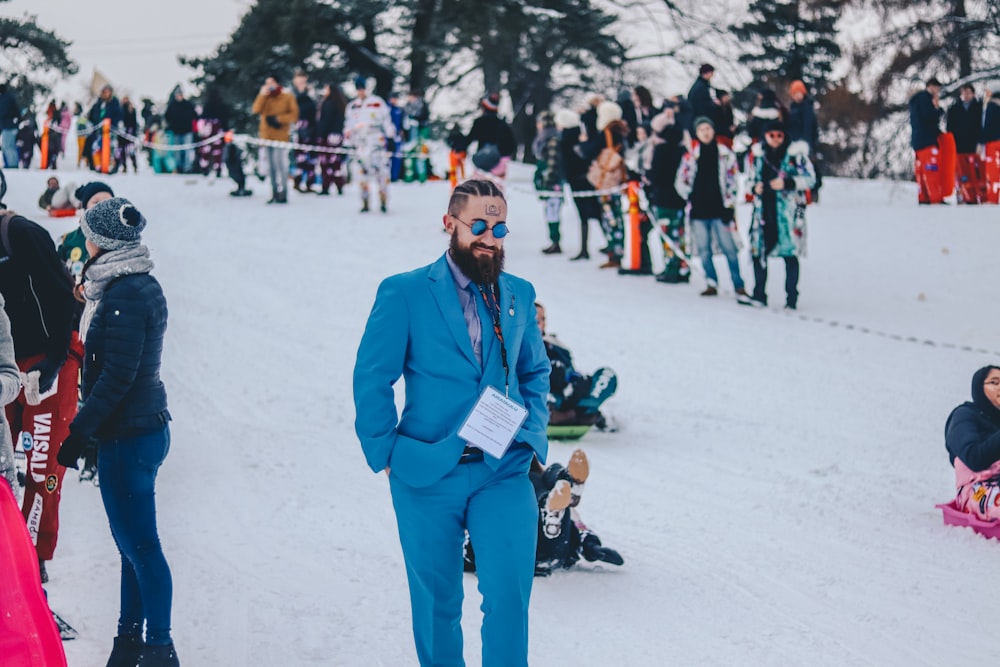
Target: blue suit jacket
[416, 330]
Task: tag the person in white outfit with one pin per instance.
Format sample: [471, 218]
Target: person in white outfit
[368, 128]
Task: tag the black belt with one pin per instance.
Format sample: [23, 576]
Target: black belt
[471, 455]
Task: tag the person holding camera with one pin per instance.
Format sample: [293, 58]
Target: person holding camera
[278, 111]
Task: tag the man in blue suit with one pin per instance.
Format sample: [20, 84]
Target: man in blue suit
[453, 330]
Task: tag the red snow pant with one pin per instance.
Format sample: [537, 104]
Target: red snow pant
[971, 184]
[991, 171]
[42, 429]
[927, 169]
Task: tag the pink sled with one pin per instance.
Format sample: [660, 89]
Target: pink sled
[953, 516]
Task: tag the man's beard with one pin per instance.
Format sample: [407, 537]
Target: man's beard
[481, 270]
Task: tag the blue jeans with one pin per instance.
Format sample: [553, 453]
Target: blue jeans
[127, 469]
[703, 230]
[185, 157]
[8, 140]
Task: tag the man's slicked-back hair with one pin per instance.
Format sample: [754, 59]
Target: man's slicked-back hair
[472, 188]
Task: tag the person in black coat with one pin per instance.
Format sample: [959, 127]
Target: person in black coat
[575, 168]
[669, 207]
[972, 438]
[125, 411]
[700, 96]
[925, 116]
[489, 128]
[965, 121]
[180, 117]
[214, 121]
[39, 302]
[925, 128]
[562, 537]
[330, 133]
[305, 133]
[803, 126]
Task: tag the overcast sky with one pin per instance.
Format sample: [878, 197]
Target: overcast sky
[134, 43]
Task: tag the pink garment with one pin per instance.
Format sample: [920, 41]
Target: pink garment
[65, 121]
[978, 492]
[28, 633]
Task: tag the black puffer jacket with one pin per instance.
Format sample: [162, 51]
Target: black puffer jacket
[38, 291]
[122, 391]
[972, 432]
[663, 172]
[491, 129]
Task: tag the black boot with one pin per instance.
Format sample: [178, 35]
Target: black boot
[159, 656]
[126, 651]
[592, 550]
[583, 254]
[553, 249]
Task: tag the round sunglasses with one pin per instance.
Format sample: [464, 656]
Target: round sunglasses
[479, 227]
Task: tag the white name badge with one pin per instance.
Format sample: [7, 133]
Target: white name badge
[493, 423]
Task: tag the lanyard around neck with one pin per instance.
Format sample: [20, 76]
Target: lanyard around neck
[493, 306]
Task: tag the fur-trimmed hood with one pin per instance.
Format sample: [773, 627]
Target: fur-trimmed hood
[797, 147]
[766, 113]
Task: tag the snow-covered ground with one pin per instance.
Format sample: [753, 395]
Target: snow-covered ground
[772, 489]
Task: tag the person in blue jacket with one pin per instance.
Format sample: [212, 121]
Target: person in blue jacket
[458, 331]
[125, 411]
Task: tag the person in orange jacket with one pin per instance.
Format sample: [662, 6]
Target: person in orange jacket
[278, 111]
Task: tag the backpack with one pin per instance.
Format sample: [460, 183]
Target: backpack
[607, 171]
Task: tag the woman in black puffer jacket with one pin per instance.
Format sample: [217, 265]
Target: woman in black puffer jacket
[972, 436]
[125, 411]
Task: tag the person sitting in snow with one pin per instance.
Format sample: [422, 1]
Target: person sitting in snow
[574, 398]
[56, 197]
[972, 437]
[562, 537]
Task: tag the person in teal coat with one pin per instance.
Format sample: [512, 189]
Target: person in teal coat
[453, 330]
[779, 177]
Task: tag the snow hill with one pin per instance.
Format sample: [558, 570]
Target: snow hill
[772, 489]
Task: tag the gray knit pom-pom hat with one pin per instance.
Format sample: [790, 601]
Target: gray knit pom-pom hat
[113, 224]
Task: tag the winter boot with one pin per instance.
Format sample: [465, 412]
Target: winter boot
[158, 656]
[126, 651]
[593, 551]
[612, 263]
[383, 204]
[556, 503]
[282, 197]
[710, 291]
[364, 206]
[240, 192]
[553, 249]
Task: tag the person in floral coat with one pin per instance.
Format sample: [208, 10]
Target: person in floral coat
[780, 175]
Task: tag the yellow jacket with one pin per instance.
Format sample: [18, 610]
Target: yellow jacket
[281, 105]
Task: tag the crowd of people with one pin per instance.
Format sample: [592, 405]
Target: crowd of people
[965, 156]
[689, 155]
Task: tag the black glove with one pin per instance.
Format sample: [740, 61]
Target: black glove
[72, 449]
[273, 122]
[48, 370]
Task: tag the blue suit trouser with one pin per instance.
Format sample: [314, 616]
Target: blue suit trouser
[499, 509]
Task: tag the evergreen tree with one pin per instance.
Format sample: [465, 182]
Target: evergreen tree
[28, 53]
[792, 39]
[330, 43]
